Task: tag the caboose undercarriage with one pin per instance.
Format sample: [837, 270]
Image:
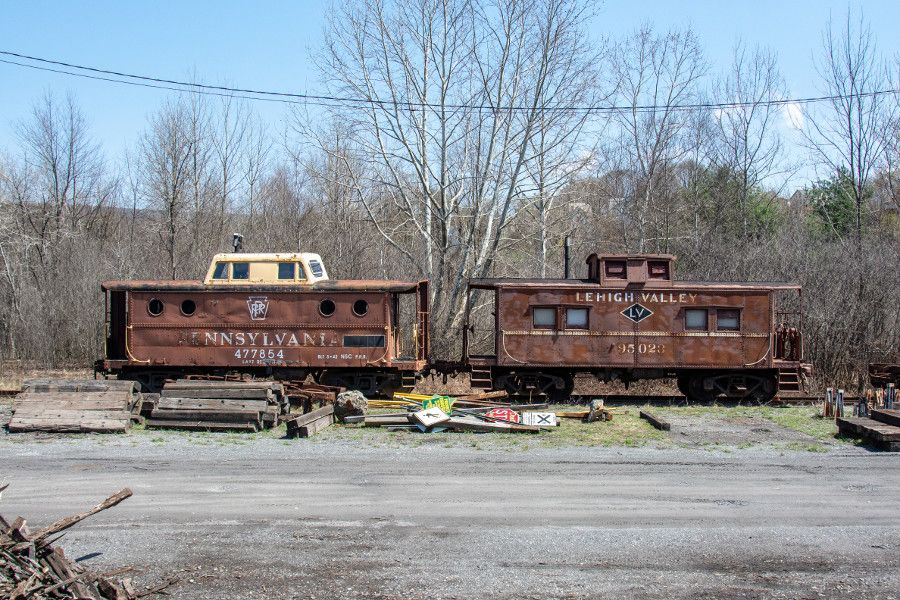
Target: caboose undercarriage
[698, 385]
[371, 382]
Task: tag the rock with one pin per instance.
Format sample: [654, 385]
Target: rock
[349, 404]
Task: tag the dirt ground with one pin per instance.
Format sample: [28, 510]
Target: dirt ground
[347, 515]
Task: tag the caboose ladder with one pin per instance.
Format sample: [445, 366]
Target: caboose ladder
[481, 378]
[789, 381]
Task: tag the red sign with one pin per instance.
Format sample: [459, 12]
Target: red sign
[503, 414]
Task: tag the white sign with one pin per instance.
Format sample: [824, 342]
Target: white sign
[431, 416]
[543, 419]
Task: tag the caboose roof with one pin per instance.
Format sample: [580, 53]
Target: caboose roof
[514, 282]
[195, 285]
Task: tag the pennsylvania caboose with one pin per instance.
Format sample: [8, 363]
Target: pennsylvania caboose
[269, 315]
[630, 320]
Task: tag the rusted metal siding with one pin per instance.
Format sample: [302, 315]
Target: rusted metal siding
[611, 339]
[260, 328]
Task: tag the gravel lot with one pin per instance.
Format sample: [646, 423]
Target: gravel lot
[334, 518]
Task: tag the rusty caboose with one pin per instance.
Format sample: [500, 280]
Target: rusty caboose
[268, 315]
[631, 320]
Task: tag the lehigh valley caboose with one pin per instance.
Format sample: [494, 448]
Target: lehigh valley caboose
[630, 320]
[268, 315]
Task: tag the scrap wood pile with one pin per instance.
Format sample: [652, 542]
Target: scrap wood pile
[212, 405]
[75, 406]
[876, 418]
[486, 412]
[334, 403]
[304, 396]
[32, 568]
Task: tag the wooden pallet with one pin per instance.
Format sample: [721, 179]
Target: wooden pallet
[75, 406]
[881, 435]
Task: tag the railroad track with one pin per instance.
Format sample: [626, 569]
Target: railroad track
[678, 399]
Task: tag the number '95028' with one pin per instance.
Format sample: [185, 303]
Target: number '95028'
[641, 348]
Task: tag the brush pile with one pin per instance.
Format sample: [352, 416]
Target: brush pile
[31, 567]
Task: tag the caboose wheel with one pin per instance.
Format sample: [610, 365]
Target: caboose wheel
[730, 386]
[696, 393]
[557, 388]
[763, 389]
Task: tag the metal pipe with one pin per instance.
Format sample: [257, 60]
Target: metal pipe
[566, 257]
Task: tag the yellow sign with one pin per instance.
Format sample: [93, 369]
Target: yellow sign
[445, 403]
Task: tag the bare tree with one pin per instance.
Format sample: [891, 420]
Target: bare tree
[662, 71]
[850, 132]
[747, 141]
[455, 94]
[169, 152]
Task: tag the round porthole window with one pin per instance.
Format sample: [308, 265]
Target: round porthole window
[188, 307]
[155, 307]
[326, 307]
[360, 308]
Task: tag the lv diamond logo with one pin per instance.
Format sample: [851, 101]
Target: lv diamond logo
[637, 313]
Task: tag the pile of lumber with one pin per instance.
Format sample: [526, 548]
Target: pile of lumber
[31, 567]
[881, 429]
[217, 405]
[310, 423]
[306, 395]
[75, 406]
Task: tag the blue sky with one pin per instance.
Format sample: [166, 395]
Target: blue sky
[268, 45]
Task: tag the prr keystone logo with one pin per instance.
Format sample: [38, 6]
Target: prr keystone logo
[259, 307]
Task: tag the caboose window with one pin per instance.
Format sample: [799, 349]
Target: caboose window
[658, 269]
[615, 269]
[363, 341]
[240, 270]
[316, 268]
[576, 318]
[695, 319]
[155, 307]
[544, 318]
[728, 320]
[301, 272]
[221, 271]
[286, 270]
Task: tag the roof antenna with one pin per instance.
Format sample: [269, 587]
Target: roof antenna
[237, 242]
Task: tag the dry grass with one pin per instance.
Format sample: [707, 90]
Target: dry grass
[803, 419]
[13, 373]
[626, 429]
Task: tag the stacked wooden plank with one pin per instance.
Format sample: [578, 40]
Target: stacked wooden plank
[75, 406]
[882, 430]
[31, 568]
[311, 423]
[218, 405]
[306, 395]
